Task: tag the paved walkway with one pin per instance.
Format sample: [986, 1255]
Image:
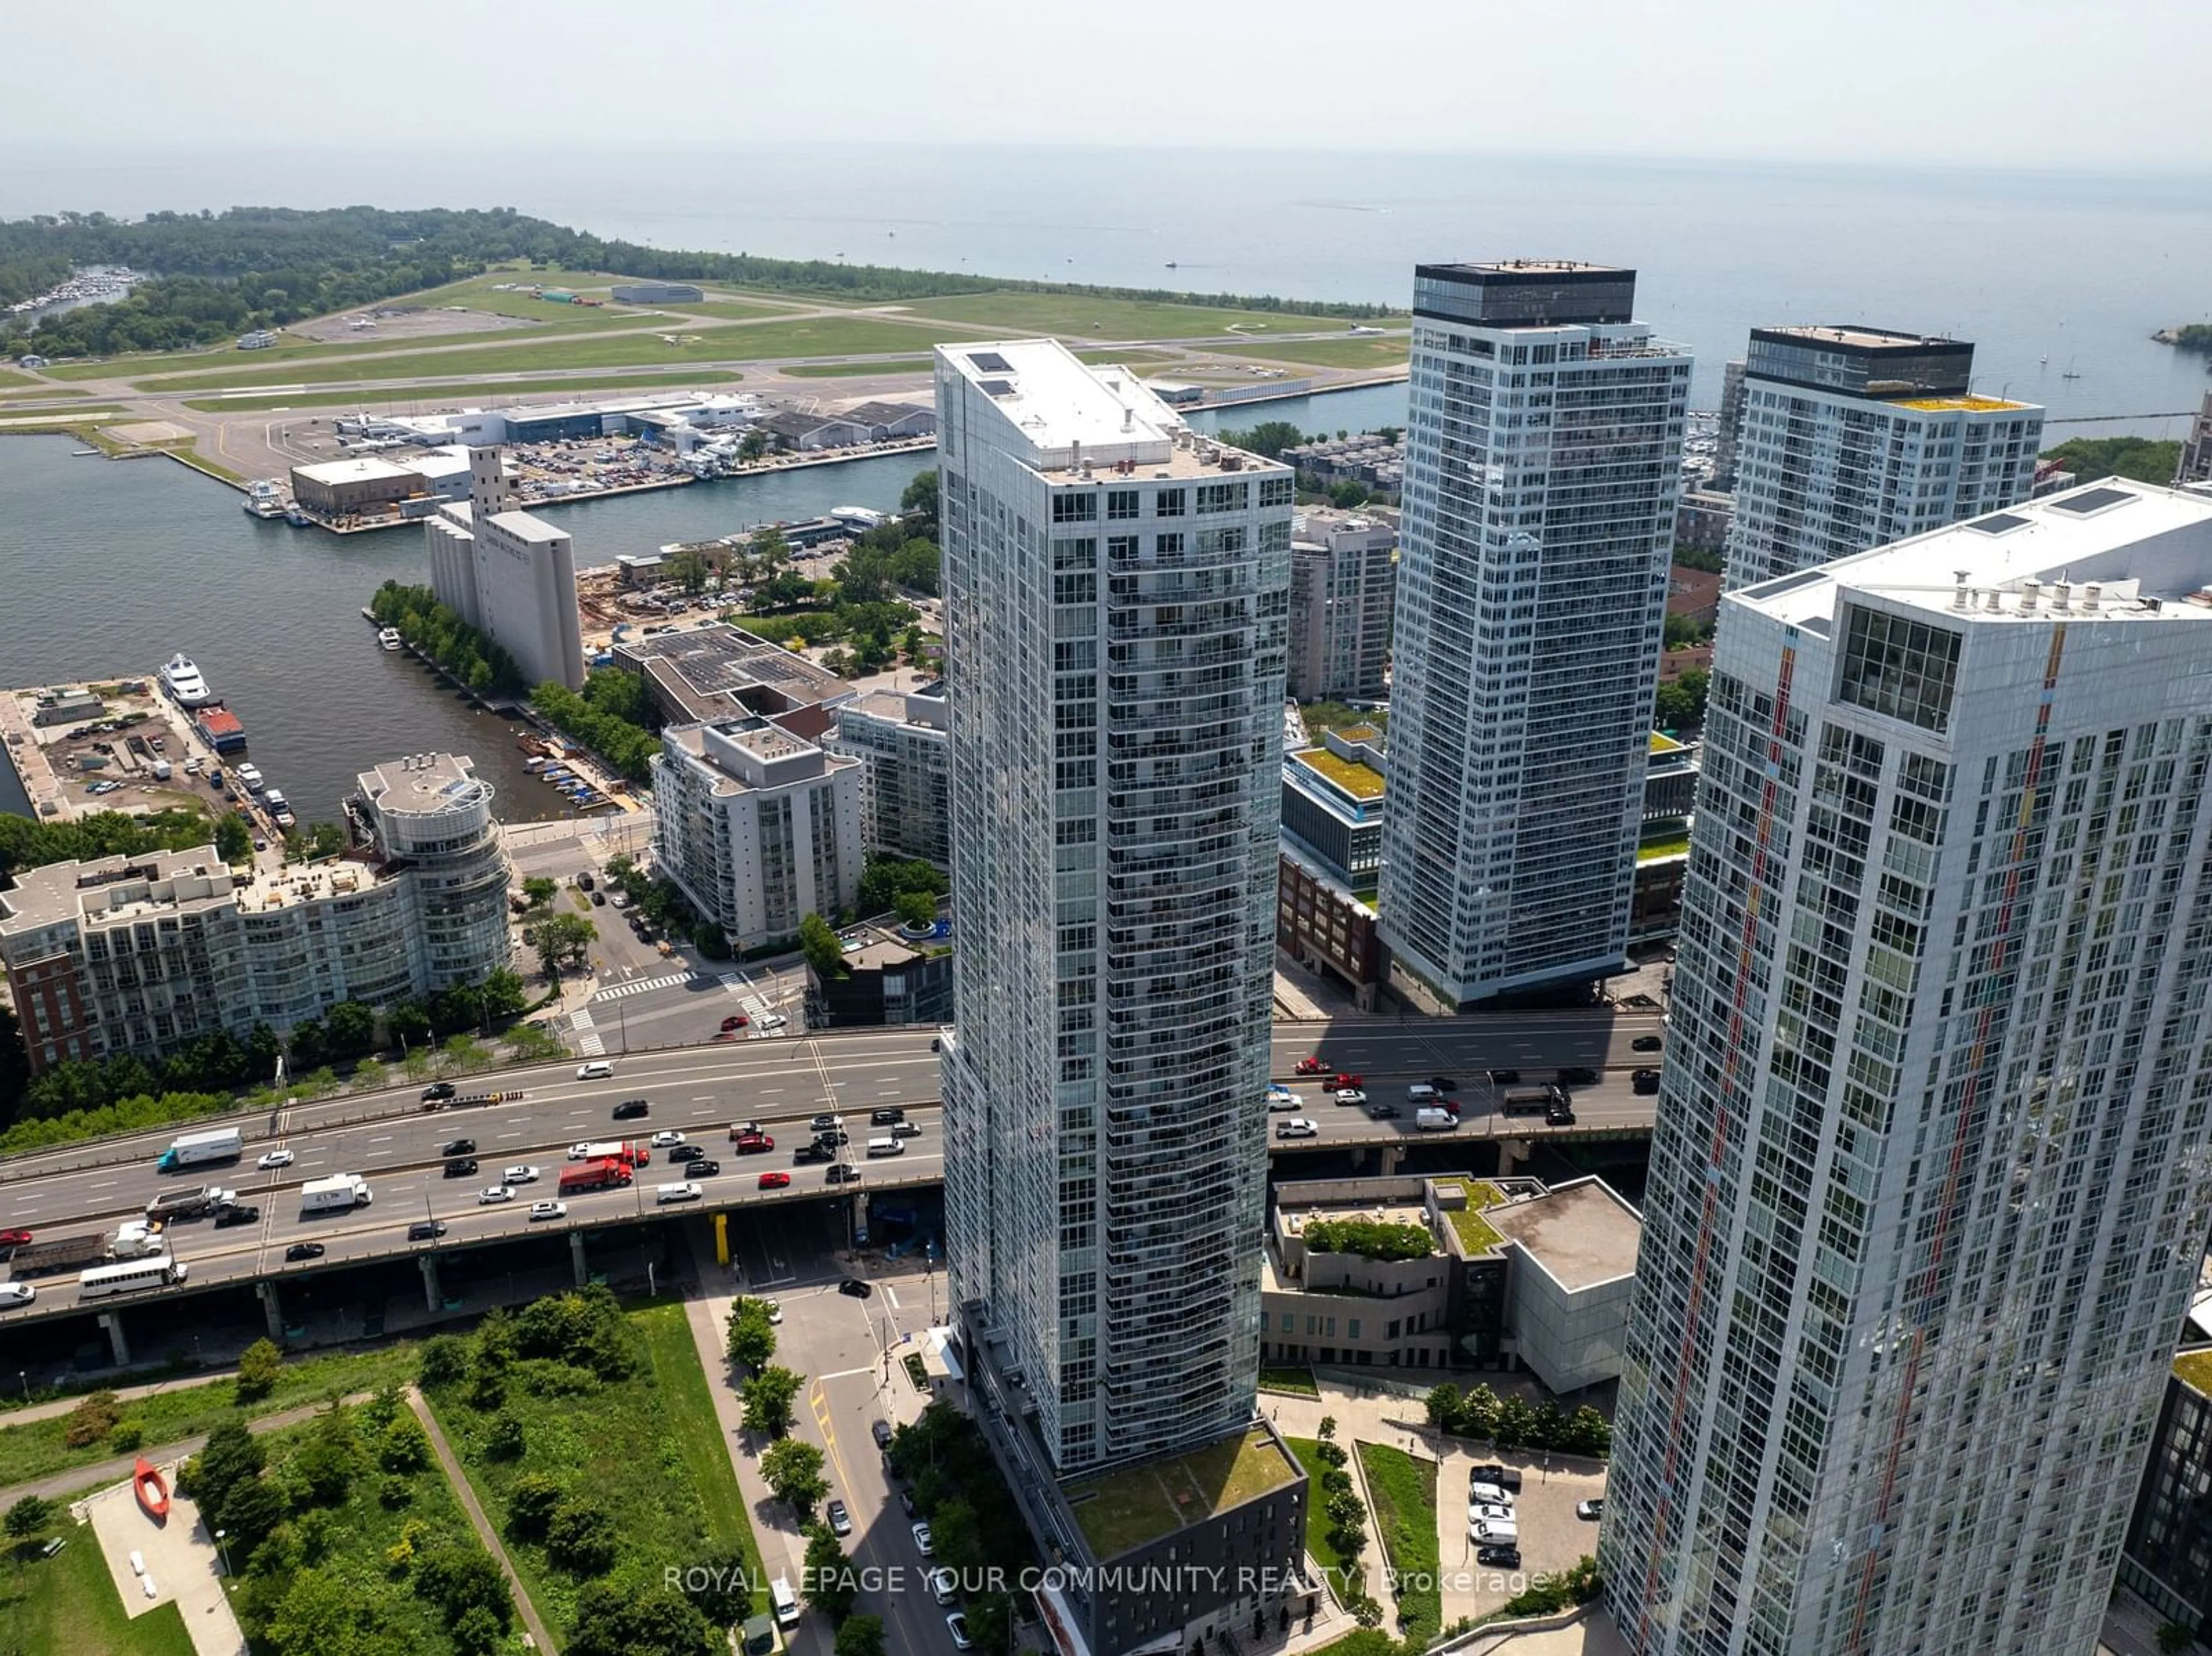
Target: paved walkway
[485, 1533]
[79, 1478]
[59, 1406]
[179, 1562]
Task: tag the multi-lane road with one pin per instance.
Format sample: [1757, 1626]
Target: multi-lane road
[396, 1145]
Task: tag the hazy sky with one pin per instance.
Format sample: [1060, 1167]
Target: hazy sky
[2026, 83]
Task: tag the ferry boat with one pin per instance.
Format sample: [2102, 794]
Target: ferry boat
[389, 637]
[265, 499]
[186, 687]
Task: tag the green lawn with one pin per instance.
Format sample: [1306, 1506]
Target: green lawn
[10, 377]
[456, 393]
[831, 336]
[34, 1449]
[67, 1605]
[1340, 1574]
[1126, 1508]
[2196, 1368]
[1404, 1522]
[647, 1448]
[1017, 315]
[1292, 1382]
[838, 370]
[1365, 351]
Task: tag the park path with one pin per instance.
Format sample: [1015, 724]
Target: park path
[35, 1411]
[467, 1496]
[77, 1479]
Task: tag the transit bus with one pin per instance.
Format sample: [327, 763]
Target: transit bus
[131, 1277]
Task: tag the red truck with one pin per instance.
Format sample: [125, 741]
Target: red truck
[601, 1173]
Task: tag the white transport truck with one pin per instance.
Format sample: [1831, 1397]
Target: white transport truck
[196, 1149]
[339, 1193]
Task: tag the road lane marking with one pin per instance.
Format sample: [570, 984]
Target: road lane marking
[385, 1139]
[105, 1184]
[892, 1294]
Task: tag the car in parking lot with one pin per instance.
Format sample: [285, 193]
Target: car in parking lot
[853, 1288]
[300, 1251]
[1593, 1509]
[1495, 1532]
[1500, 1556]
[956, 1623]
[667, 1138]
[943, 1586]
[426, 1230]
[1505, 1077]
[275, 1159]
[841, 1520]
[549, 1210]
[459, 1147]
[921, 1540]
[1645, 1043]
[1489, 1494]
[1504, 1477]
[492, 1195]
[599, 900]
[524, 1174]
[1350, 1096]
[775, 1181]
[1297, 1127]
[1478, 1510]
[236, 1215]
[462, 1168]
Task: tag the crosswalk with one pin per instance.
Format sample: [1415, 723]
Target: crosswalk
[752, 1001]
[644, 985]
[589, 1041]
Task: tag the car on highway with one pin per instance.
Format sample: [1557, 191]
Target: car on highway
[459, 1147]
[825, 1122]
[1382, 1110]
[633, 1109]
[426, 1230]
[521, 1173]
[921, 1540]
[807, 1153]
[1646, 1081]
[754, 1143]
[746, 1130]
[17, 1293]
[853, 1288]
[1349, 1095]
[956, 1623]
[700, 1168]
[886, 1118]
[843, 1173]
[667, 1138]
[236, 1215]
[832, 1138]
[464, 1168]
[492, 1195]
[549, 1210]
[1498, 1557]
[1444, 1083]
[1645, 1043]
[905, 1129]
[1561, 1114]
[300, 1251]
[1505, 1077]
[1297, 1127]
[438, 1092]
[1577, 1075]
[597, 1069]
[686, 1152]
[275, 1159]
[15, 1238]
[841, 1520]
[775, 1182]
[1592, 1509]
[1309, 1066]
[735, 1020]
[1281, 1098]
[1344, 1081]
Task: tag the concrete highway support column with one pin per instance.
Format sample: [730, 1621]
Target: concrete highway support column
[576, 1254]
[1392, 1155]
[1512, 1156]
[113, 1322]
[272, 1308]
[432, 1299]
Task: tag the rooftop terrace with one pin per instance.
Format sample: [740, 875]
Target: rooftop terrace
[1126, 1508]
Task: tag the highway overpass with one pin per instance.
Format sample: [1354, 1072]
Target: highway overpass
[390, 1140]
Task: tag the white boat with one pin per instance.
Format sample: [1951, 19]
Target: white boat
[184, 684]
[279, 808]
[249, 777]
[856, 518]
[389, 637]
[265, 499]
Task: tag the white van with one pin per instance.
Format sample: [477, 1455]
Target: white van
[1494, 1532]
[682, 1191]
[887, 1147]
[785, 1601]
[596, 1072]
[1420, 1093]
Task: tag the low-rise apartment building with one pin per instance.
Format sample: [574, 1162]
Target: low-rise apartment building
[141, 954]
[904, 744]
[758, 825]
[1324, 925]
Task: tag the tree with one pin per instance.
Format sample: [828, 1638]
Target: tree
[410, 1024]
[753, 1336]
[505, 1440]
[445, 1359]
[404, 1447]
[1478, 1411]
[1680, 703]
[259, 1367]
[231, 1456]
[884, 879]
[1441, 1405]
[918, 502]
[561, 940]
[793, 1469]
[503, 994]
[250, 1512]
[828, 1579]
[1267, 439]
[531, 1504]
[955, 1537]
[234, 841]
[861, 1635]
[325, 1465]
[818, 943]
[623, 1622]
[768, 1397]
[460, 1576]
[30, 1516]
[538, 891]
[2146, 460]
[917, 908]
[580, 1537]
[317, 1616]
[752, 445]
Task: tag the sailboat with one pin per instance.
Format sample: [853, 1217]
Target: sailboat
[2070, 373]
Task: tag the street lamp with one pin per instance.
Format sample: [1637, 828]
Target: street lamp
[223, 1549]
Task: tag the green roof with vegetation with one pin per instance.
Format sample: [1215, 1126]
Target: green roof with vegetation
[1476, 1234]
[2196, 1368]
[1360, 781]
[1137, 1504]
[1370, 1239]
[1671, 842]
